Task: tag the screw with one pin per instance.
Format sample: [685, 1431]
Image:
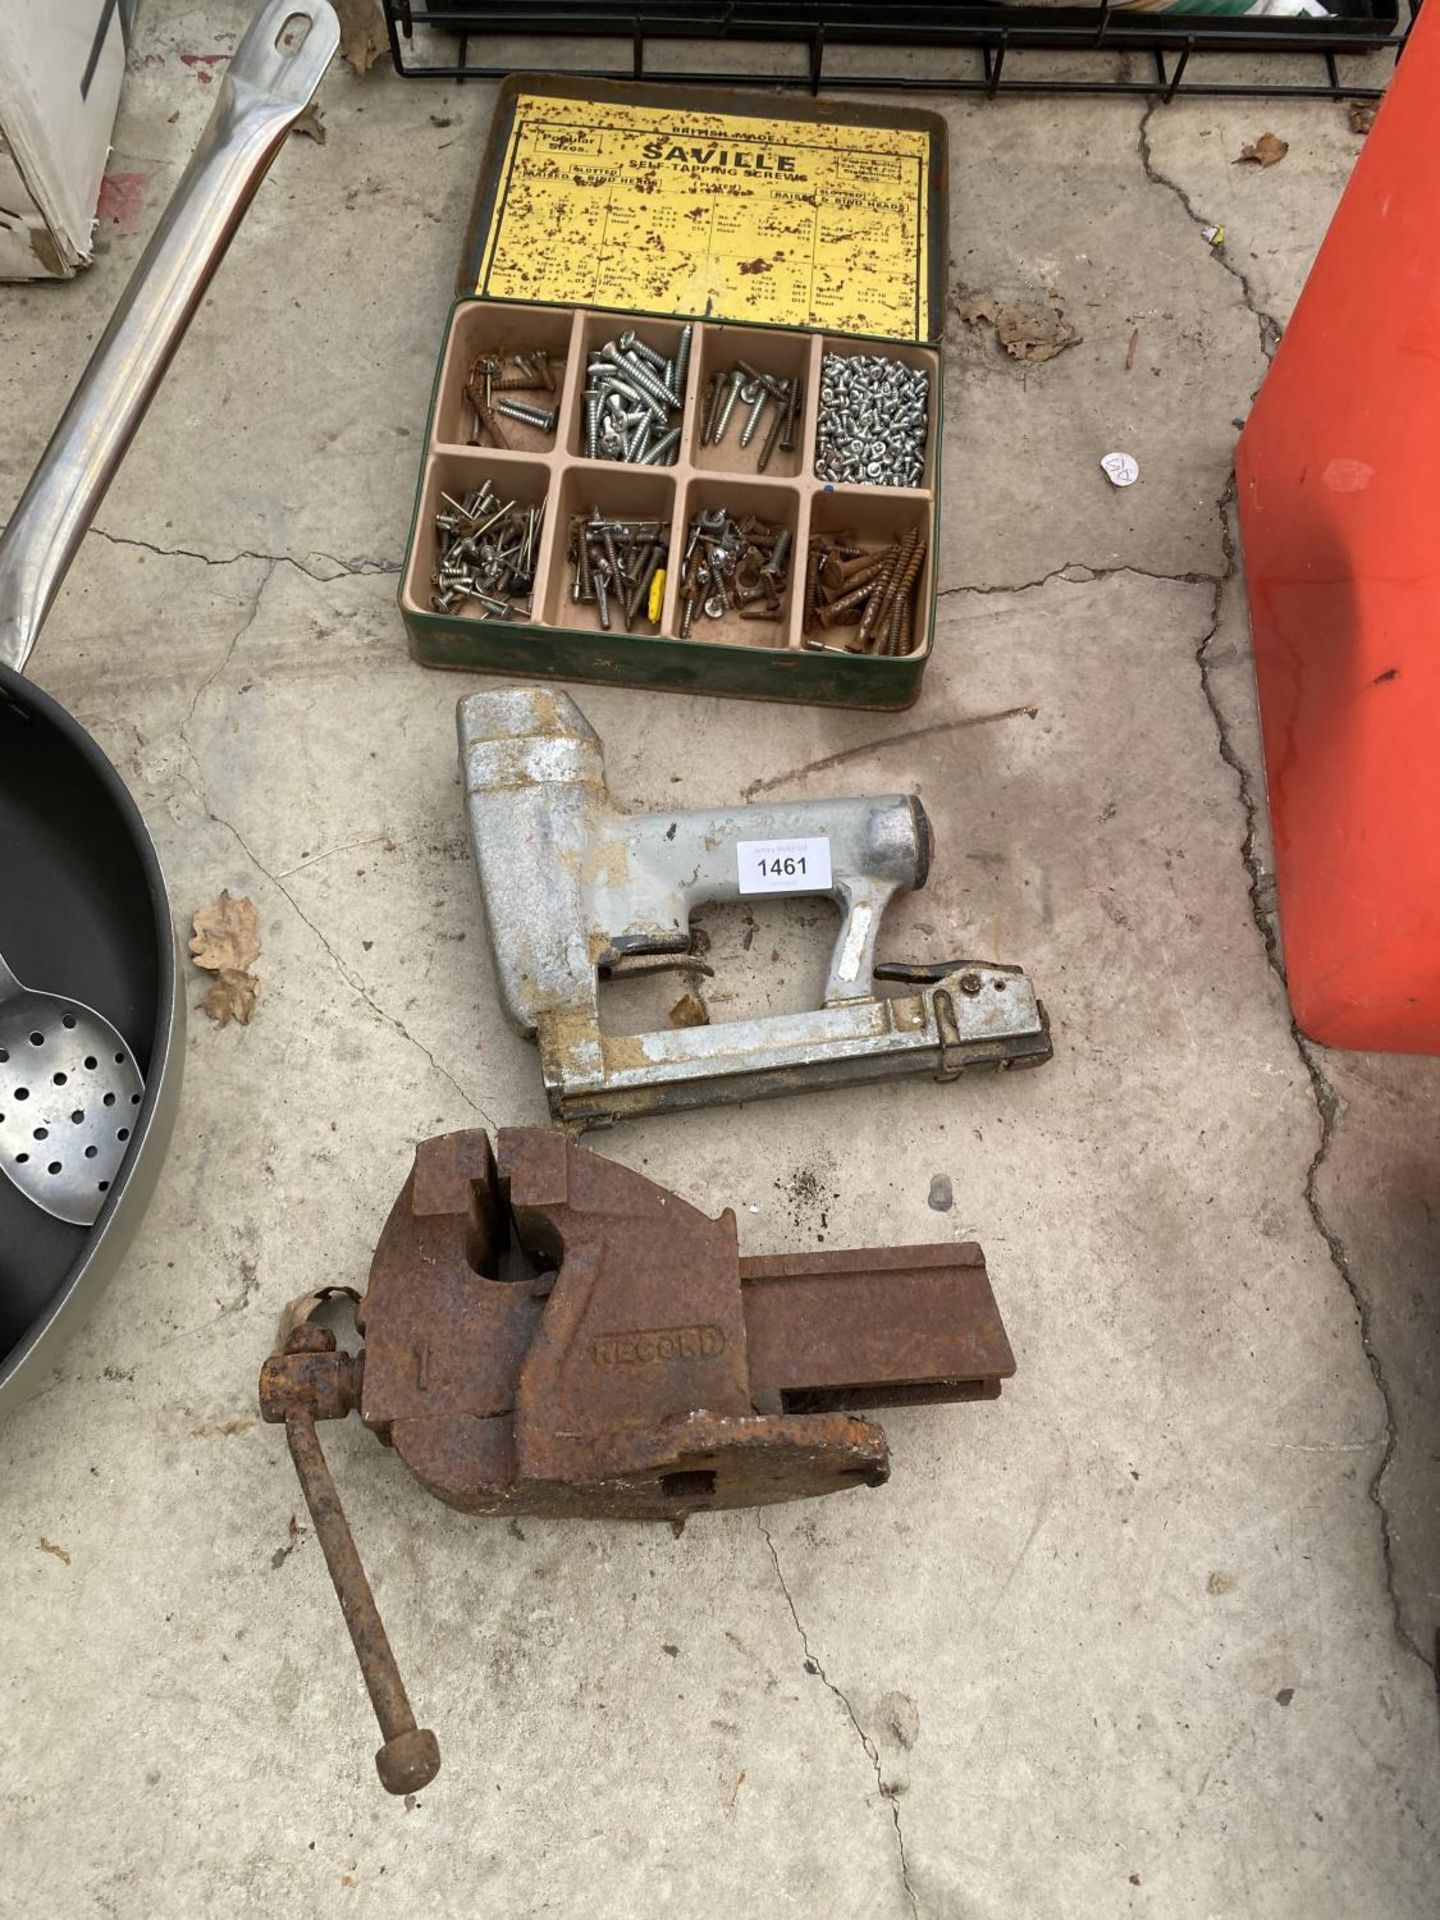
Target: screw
[970, 983]
[615, 561]
[737, 381]
[649, 383]
[754, 395]
[628, 407]
[682, 363]
[714, 394]
[631, 343]
[792, 418]
[775, 567]
[639, 439]
[874, 421]
[731, 565]
[777, 427]
[541, 417]
[655, 454]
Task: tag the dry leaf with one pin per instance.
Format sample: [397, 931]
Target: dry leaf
[226, 934]
[311, 123]
[1032, 334]
[1267, 151]
[1362, 115]
[688, 1011]
[225, 942]
[232, 996]
[49, 1546]
[362, 33]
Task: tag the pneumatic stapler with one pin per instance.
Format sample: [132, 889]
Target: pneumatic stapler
[575, 890]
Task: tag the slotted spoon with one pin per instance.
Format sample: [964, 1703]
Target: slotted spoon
[69, 1093]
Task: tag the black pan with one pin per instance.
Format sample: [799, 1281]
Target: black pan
[83, 910]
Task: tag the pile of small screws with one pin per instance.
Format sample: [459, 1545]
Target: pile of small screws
[871, 589]
[874, 421]
[488, 551]
[733, 566]
[633, 399]
[744, 386]
[618, 565]
[509, 373]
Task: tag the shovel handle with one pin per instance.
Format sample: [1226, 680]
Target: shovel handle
[268, 83]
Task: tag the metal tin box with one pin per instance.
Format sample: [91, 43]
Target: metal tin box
[782, 232]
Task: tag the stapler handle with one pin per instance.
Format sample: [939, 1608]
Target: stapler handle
[668, 863]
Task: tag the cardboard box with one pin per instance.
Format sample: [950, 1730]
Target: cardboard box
[61, 65]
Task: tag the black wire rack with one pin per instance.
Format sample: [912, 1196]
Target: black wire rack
[973, 48]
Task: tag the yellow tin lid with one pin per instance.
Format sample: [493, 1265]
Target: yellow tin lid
[708, 203]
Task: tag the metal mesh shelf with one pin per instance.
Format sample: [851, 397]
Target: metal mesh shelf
[971, 48]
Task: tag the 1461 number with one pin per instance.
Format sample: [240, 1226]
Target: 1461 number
[788, 866]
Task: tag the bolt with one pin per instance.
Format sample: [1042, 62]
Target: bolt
[541, 417]
[970, 983]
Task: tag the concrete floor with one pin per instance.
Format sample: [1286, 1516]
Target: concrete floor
[1151, 1635]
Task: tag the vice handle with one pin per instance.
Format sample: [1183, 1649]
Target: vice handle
[267, 85]
[306, 1381]
[410, 1756]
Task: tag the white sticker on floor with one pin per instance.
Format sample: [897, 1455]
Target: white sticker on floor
[784, 866]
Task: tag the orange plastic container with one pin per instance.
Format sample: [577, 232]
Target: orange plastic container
[1339, 491]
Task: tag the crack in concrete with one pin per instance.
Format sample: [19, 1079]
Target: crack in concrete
[240, 633]
[200, 788]
[1269, 327]
[872, 1752]
[1327, 1101]
[342, 568]
[1079, 573]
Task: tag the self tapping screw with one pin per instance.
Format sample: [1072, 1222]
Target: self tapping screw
[874, 421]
[629, 388]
